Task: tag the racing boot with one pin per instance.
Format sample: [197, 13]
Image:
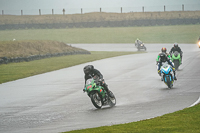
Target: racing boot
[159, 73]
[174, 73]
[108, 91]
[180, 62]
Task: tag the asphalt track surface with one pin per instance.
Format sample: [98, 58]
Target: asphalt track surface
[54, 102]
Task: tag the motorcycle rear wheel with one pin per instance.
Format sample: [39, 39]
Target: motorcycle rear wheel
[96, 100]
[112, 100]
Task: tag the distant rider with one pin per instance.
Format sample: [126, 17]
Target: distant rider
[176, 48]
[164, 58]
[137, 42]
[163, 50]
[90, 72]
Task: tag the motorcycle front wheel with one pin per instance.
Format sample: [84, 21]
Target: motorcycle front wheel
[169, 83]
[96, 100]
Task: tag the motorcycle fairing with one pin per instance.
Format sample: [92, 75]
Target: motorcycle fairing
[91, 86]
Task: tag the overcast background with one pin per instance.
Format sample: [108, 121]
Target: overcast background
[31, 7]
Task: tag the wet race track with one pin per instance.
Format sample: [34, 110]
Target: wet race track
[54, 102]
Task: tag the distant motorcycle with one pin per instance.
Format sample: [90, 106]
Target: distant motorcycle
[98, 94]
[141, 46]
[167, 74]
[176, 59]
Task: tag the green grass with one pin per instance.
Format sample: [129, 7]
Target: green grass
[96, 17]
[155, 34]
[184, 121]
[29, 48]
[14, 71]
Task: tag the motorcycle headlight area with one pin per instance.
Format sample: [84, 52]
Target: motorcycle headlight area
[162, 71]
[89, 87]
[166, 70]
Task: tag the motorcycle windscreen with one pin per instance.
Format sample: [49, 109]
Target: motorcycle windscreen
[89, 81]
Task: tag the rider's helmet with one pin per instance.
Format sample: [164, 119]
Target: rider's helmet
[164, 50]
[87, 69]
[163, 57]
[176, 45]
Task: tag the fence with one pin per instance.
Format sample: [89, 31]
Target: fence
[113, 9]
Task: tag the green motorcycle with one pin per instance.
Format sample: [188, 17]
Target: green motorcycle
[98, 94]
[176, 59]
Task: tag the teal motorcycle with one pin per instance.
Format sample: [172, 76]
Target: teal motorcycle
[167, 74]
[98, 94]
[176, 59]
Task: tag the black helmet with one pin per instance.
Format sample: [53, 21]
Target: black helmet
[163, 57]
[87, 69]
[176, 45]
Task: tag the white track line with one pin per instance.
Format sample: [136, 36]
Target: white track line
[198, 101]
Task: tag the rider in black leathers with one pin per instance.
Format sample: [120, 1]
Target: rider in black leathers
[176, 48]
[90, 72]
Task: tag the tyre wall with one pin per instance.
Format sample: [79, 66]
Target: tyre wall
[5, 60]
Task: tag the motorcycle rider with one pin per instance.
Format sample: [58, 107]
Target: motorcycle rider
[91, 72]
[163, 50]
[176, 48]
[164, 58]
[137, 42]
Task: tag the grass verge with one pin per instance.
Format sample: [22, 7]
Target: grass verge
[96, 17]
[14, 71]
[29, 48]
[184, 121]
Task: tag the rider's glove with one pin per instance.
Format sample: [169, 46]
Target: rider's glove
[101, 81]
[173, 68]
